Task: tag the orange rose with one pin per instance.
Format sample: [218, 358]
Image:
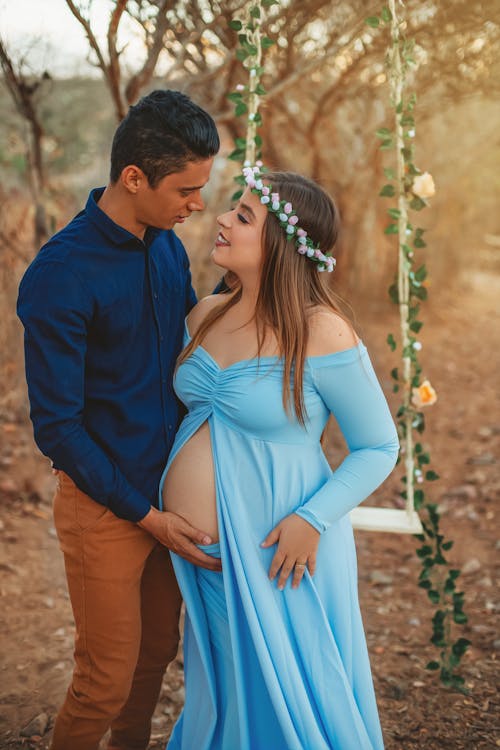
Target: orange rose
[424, 395]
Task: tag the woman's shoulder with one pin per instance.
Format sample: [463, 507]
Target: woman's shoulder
[202, 308]
[329, 332]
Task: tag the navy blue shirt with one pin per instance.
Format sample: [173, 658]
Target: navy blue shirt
[103, 314]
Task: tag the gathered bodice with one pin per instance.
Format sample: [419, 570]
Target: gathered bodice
[247, 395]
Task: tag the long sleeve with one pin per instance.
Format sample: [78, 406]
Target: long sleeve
[56, 311]
[349, 388]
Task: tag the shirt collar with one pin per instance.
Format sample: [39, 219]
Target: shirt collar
[114, 232]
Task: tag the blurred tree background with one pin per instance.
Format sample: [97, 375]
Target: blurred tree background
[327, 94]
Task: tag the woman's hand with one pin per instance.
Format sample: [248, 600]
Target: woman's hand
[297, 544]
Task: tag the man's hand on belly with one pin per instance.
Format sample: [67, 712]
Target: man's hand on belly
[179, 536]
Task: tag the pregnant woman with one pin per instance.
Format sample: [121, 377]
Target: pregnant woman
[275, 652]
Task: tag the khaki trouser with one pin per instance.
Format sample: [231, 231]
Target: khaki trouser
[126, 606]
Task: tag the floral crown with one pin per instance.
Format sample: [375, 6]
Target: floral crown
[288, 219]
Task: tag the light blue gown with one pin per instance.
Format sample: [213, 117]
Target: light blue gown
[267, 669]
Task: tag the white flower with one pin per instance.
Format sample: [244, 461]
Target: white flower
[417, 345]
[411, 132]
[240, 87]
[253, 72]
[423, 186]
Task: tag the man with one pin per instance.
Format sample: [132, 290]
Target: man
[103, 306]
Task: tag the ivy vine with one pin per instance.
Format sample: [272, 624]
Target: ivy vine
[247, 96]
[412, 188]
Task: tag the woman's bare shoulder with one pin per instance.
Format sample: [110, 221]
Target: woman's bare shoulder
[201, 310]
[329, 332]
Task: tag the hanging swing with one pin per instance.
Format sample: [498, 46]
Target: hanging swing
[367, 518]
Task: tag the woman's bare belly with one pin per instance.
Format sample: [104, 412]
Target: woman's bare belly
[189, 487]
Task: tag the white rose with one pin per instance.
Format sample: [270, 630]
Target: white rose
[423, 186]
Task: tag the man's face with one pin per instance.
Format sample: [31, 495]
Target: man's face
[174, 198]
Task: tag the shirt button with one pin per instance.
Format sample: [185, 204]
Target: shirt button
[161, 338]
[170, 427]
[155, 295]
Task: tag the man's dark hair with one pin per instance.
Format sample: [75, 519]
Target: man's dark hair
[162, 133]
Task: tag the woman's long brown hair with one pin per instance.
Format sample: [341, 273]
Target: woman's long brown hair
[290, 285]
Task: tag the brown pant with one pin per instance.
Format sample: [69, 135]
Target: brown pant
[126, 605]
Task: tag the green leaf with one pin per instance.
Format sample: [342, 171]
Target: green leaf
[391, 229]
[372, 21]
[416, 325]
[417, 204]
[394, 213]
[431, 476]
[241, 109]
[266, 42]
[424, 551]
[449, 587]
[388, 191]
[269, 3]
[234, 96]
[235, 25]
[392, 342]
[448, 545]
[386, 14]
[393, 293]
[241, 54]
[460, 646]
[237, 155]
[433, 596]
[432, 665]
[421, 273]
[394, 373]
[255, 11]
[383, 133]
[386, 145]
[260, 90]
[460, 618]
[418, 496]
[420, 292]
[240, 142]
[425, 584]
[236, 196]
[408, 120]
[389, 173]
[258, 141]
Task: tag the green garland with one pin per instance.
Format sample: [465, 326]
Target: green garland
[247, 97]
[412, 188]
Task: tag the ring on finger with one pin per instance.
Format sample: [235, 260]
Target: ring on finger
[300, 565]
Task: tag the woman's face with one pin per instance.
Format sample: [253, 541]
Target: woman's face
[238, 246]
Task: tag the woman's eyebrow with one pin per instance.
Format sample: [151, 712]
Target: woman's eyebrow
[247, 208]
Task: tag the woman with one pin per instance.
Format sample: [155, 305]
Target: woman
[275, 653]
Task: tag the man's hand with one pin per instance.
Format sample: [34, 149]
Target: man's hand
[179, 536]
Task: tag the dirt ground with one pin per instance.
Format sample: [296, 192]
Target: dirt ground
[461, 356]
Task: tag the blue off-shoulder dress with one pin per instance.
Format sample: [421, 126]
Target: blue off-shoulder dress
[267, 669]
